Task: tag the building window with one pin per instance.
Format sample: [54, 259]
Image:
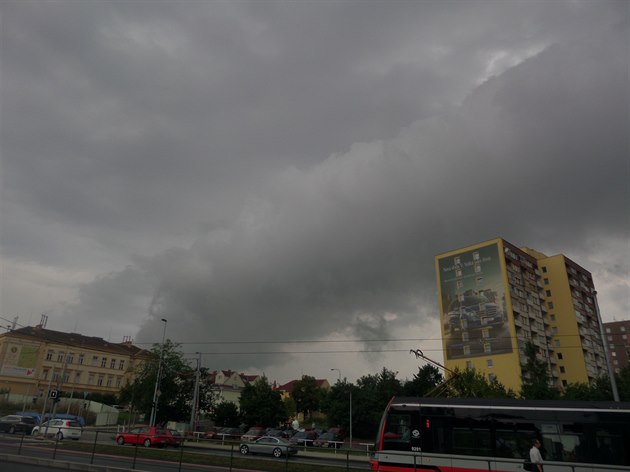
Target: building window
[476, 256]
[609, 338]
[55, 376]
[121, 364]
[70, 359]
[60, 356]
[477, 268]
[77, 377]
[487, 347]
[557, 343]
[458, 273]
[100, 381]
[49, 355]
[552, 317]
[457, 260]
[565, 383]
[546, 280]
[91, 379]
[45, 375]
[611, 346]
[560, 356]
[614, 354]
[485, 333]
[544, 269]
[469, 365]
[548, 292]
[623, 329]
[94, 360]
[492, 377]
[608, 330]
[489, 363]
[562, 369]
[104, 362]
[81, 359]
[110, 381]
[118, 380]
[550, 305]
[467, 350]
[465, 336]
[112, 364]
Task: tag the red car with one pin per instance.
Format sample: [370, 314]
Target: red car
[147, 436]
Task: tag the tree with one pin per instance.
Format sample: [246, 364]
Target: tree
[174, 402]
[623, 383]
[226, 414]
[471, 383]
[536, 381]
[372, 395]
[427, 378]
[261, 405]
[306, 394]
[336, 404]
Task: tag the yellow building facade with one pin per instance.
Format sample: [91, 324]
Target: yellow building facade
[34, 360]
[495, 298]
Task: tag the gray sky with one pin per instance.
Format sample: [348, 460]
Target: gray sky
[272, 173]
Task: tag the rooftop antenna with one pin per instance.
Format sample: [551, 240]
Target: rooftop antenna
[44, 320]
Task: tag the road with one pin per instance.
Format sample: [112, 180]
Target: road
[26, 448]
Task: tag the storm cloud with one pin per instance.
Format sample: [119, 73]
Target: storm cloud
[272, 176]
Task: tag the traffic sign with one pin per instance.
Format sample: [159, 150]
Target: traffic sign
[52, 393]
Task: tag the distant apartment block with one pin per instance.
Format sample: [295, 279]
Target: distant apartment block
[34, 360]
[616, 333]
[495, 298]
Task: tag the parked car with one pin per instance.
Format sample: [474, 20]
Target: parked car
[17, 424]
[279, 433]
[253, 433]
[146, 436]
[177, 439]
[329, 439]
[211, 433]
[229, 433]
[59, 428]
[277, 447]
[304, 438]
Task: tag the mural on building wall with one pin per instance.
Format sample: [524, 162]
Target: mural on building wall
[19, 361]
[473, 304]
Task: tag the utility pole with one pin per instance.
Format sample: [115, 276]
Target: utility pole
[195, 401]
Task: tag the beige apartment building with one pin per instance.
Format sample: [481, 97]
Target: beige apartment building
[35, 360]
[496, 297]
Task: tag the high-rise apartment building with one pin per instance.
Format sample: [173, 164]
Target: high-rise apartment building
[496, 297]
[617, 333]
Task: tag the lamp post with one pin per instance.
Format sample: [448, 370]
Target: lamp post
[157, 379]
[350, 391]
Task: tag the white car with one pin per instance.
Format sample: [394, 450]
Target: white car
[59, 429]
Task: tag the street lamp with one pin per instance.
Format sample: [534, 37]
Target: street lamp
[350, 391]
[157, 379]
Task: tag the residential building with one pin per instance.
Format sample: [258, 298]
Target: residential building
[228, 384]
[496, 297]
[34, 360]
[286, 389]
[617, 333]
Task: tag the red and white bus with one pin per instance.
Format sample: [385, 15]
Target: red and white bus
[465, 435]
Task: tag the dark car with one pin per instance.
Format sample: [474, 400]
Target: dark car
[277, 447]
[17, 424]
[329, 439]
[279, 433]
[176, 439]
[304, 438]
[229, 433]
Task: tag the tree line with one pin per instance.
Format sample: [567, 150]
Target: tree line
[260, 404]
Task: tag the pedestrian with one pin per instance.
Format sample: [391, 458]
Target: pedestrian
[535, 457]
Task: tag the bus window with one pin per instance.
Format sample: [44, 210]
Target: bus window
[610, 446]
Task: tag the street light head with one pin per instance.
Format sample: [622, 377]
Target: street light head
[164, 319]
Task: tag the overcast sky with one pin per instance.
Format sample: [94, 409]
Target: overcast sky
[274, 178]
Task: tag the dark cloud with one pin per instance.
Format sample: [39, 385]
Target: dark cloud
[272, 171]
